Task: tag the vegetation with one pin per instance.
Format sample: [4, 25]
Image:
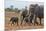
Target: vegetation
[11, 9]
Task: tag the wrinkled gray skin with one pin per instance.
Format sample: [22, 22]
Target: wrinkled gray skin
[38, 11]
[14, 20]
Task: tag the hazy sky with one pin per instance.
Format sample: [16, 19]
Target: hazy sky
[19, 4]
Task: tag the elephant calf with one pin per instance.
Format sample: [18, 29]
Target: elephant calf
[14, 20]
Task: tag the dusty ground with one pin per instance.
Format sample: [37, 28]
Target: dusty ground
[8, 27]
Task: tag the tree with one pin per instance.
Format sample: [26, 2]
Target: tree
[19, 11]
[11, 6]
[25, 7]
[16, 9]
[7, 9]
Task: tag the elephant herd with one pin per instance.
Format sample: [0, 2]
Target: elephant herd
[35, 11]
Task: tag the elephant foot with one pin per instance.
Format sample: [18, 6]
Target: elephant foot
[36, 23]
[41, 24]
[30, 24]
[21, 24]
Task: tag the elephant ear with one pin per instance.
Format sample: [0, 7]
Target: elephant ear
[37, 10]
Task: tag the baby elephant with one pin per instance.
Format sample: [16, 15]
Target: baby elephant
[14, 20]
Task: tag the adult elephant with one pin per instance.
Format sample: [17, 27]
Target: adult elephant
[38, 11]
[24, 14]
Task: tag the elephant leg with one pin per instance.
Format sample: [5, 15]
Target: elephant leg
[31, 18]
[22, 20]
[35, 21]
[17, 23]
[40, 21]
[12, 23]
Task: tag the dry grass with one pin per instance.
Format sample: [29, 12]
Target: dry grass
[8, 27]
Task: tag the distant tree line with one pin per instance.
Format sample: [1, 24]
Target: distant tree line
[12, 9]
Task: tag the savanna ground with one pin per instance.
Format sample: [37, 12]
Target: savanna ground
[8, 27]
